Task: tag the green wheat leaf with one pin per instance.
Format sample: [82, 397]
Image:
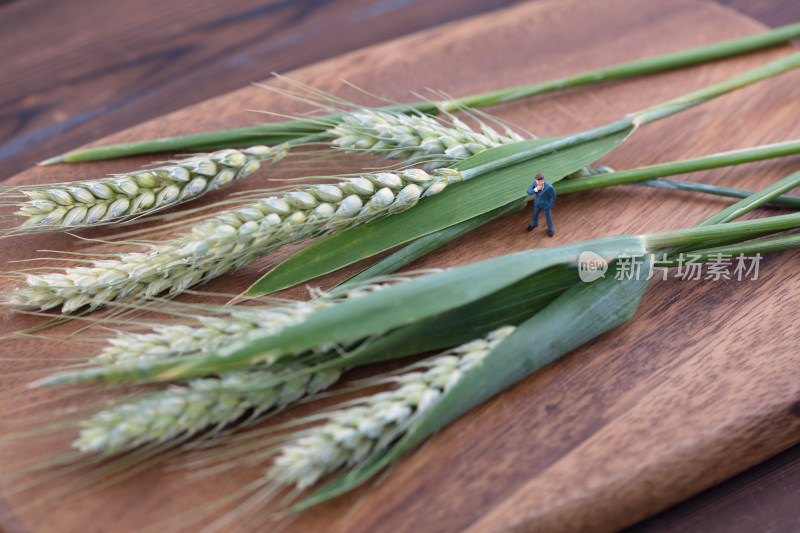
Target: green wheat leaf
[403, 304]
[509, 306]
[454, 205]
[580, 314]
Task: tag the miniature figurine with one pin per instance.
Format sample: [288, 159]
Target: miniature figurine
[545, 198]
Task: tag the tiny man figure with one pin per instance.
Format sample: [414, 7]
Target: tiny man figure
[545, 198]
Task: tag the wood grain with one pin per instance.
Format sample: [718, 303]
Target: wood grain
[770, 12]
[122, 62]
[623, 427]
[763, 498]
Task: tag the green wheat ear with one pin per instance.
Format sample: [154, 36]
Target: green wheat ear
[233, 240]
[201, 404]
[393, 135]
[414, 136]
[372, 423]
[118, 198]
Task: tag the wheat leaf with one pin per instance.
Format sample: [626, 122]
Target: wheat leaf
[577, 316]
[432, 241]
[509, 306]
[402, 304]
[452, 206]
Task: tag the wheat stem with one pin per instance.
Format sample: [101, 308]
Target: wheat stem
[284, 131]
[694, 164]
[771, 244]
[738, 231]
[677, 185]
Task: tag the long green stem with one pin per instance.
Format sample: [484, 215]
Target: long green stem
[707, 93]
[771, 244]
[284, 131]
[756, 199]
[695, 164]
[645, 116]
[643, 66]
[690, 186]
[742, 230]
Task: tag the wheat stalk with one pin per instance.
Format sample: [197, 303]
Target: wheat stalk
[82, 203]
[358, 431]
[266, 133]
[232, 240]
[182, 411]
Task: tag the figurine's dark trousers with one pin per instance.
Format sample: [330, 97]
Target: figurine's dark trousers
[547, 216]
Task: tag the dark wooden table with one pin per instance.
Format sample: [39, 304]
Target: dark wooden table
[74, 71]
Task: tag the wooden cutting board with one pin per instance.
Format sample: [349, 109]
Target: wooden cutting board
[702, 383]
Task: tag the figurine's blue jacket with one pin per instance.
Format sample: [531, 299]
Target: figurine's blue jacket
[544, 198]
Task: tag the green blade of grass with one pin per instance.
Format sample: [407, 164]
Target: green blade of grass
[683, 166]
[771, 244]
